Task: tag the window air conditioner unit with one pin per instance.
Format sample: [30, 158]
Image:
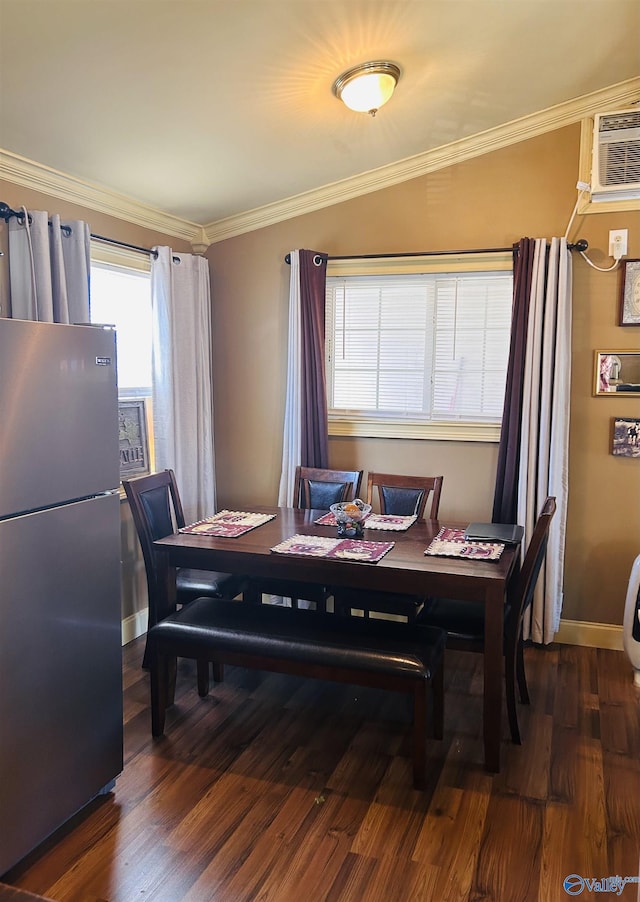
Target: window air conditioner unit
[615, 173]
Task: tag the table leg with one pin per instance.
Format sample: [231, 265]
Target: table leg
[493, 641]
[252, 593]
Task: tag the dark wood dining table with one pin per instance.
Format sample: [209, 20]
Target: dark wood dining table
[405, 569]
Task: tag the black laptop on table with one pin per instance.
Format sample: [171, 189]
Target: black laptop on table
[508, 533]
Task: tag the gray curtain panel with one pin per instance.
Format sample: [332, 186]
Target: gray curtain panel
[49, 268]
[182, 377]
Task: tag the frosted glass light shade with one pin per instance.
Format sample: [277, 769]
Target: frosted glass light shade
[367, 87]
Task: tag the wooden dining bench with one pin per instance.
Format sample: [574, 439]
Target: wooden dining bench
[380, 654]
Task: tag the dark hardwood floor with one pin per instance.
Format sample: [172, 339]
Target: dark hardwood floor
[279, 788]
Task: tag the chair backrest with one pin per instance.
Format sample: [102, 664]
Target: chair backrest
[405, 496]
[319, 489]
[532, 563]
[157, 512]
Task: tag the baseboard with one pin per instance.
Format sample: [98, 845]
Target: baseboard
[134, 625]
[592, 635]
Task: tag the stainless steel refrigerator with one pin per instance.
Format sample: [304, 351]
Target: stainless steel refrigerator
[60, 633]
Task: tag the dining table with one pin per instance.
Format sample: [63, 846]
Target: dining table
[404, 569]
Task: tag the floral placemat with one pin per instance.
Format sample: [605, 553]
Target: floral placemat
[452, 543]
[227, 523]
[340, 549]
[327, 520]
[389, 521]
[373, 521]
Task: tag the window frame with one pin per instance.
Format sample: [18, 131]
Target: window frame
[375, 425]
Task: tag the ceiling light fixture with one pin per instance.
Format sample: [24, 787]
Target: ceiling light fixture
[366, 87]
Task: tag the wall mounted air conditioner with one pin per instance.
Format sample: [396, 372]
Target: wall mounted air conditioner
[615, 173]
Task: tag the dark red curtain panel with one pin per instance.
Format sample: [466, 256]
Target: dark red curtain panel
[313, 416]
[505, 500]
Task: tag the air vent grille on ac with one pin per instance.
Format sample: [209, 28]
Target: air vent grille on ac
[616, 156]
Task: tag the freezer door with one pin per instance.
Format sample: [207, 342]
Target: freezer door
[58, 414]
[60, 667]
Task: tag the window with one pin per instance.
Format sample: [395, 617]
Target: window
[418, 354]
[121, 295]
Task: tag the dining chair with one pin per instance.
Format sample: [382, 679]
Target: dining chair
[318, 489]
[157, 512]
[314, 489]
[463, 621]
[404, 496]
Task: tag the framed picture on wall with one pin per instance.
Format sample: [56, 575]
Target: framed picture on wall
[626, 437]
[630, 293]
[134, 438]
[615, 372]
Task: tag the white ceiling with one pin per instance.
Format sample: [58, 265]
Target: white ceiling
[206, 109]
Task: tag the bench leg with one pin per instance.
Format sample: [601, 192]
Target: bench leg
[420, 735]
[420, 722]
[218, 672]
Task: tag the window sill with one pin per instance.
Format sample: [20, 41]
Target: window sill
[375, 427]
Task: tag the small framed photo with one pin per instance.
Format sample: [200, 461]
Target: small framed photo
[134, 438]
[630, 293]
[626, 438]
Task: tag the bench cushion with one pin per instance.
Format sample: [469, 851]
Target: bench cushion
[209, 625]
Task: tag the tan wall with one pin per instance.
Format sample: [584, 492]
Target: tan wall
[603, 529]
[528, 189]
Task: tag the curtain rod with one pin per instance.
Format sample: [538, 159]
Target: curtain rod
[7, 213]
[580, 245]
[129, 247]
[132, 247]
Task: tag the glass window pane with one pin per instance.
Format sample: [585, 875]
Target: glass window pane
[123, 298]
[432, 346]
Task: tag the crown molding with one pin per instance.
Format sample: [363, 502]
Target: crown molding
[29, 174]
[430, 161]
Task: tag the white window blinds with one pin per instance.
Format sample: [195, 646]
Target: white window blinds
[432, 347]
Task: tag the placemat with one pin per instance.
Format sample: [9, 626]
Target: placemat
[339, 549]
[452, 543]
[227, 523]
[373, 521]
[327, 520]
[389, 521]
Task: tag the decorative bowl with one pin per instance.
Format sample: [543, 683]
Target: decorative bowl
[349, 516]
